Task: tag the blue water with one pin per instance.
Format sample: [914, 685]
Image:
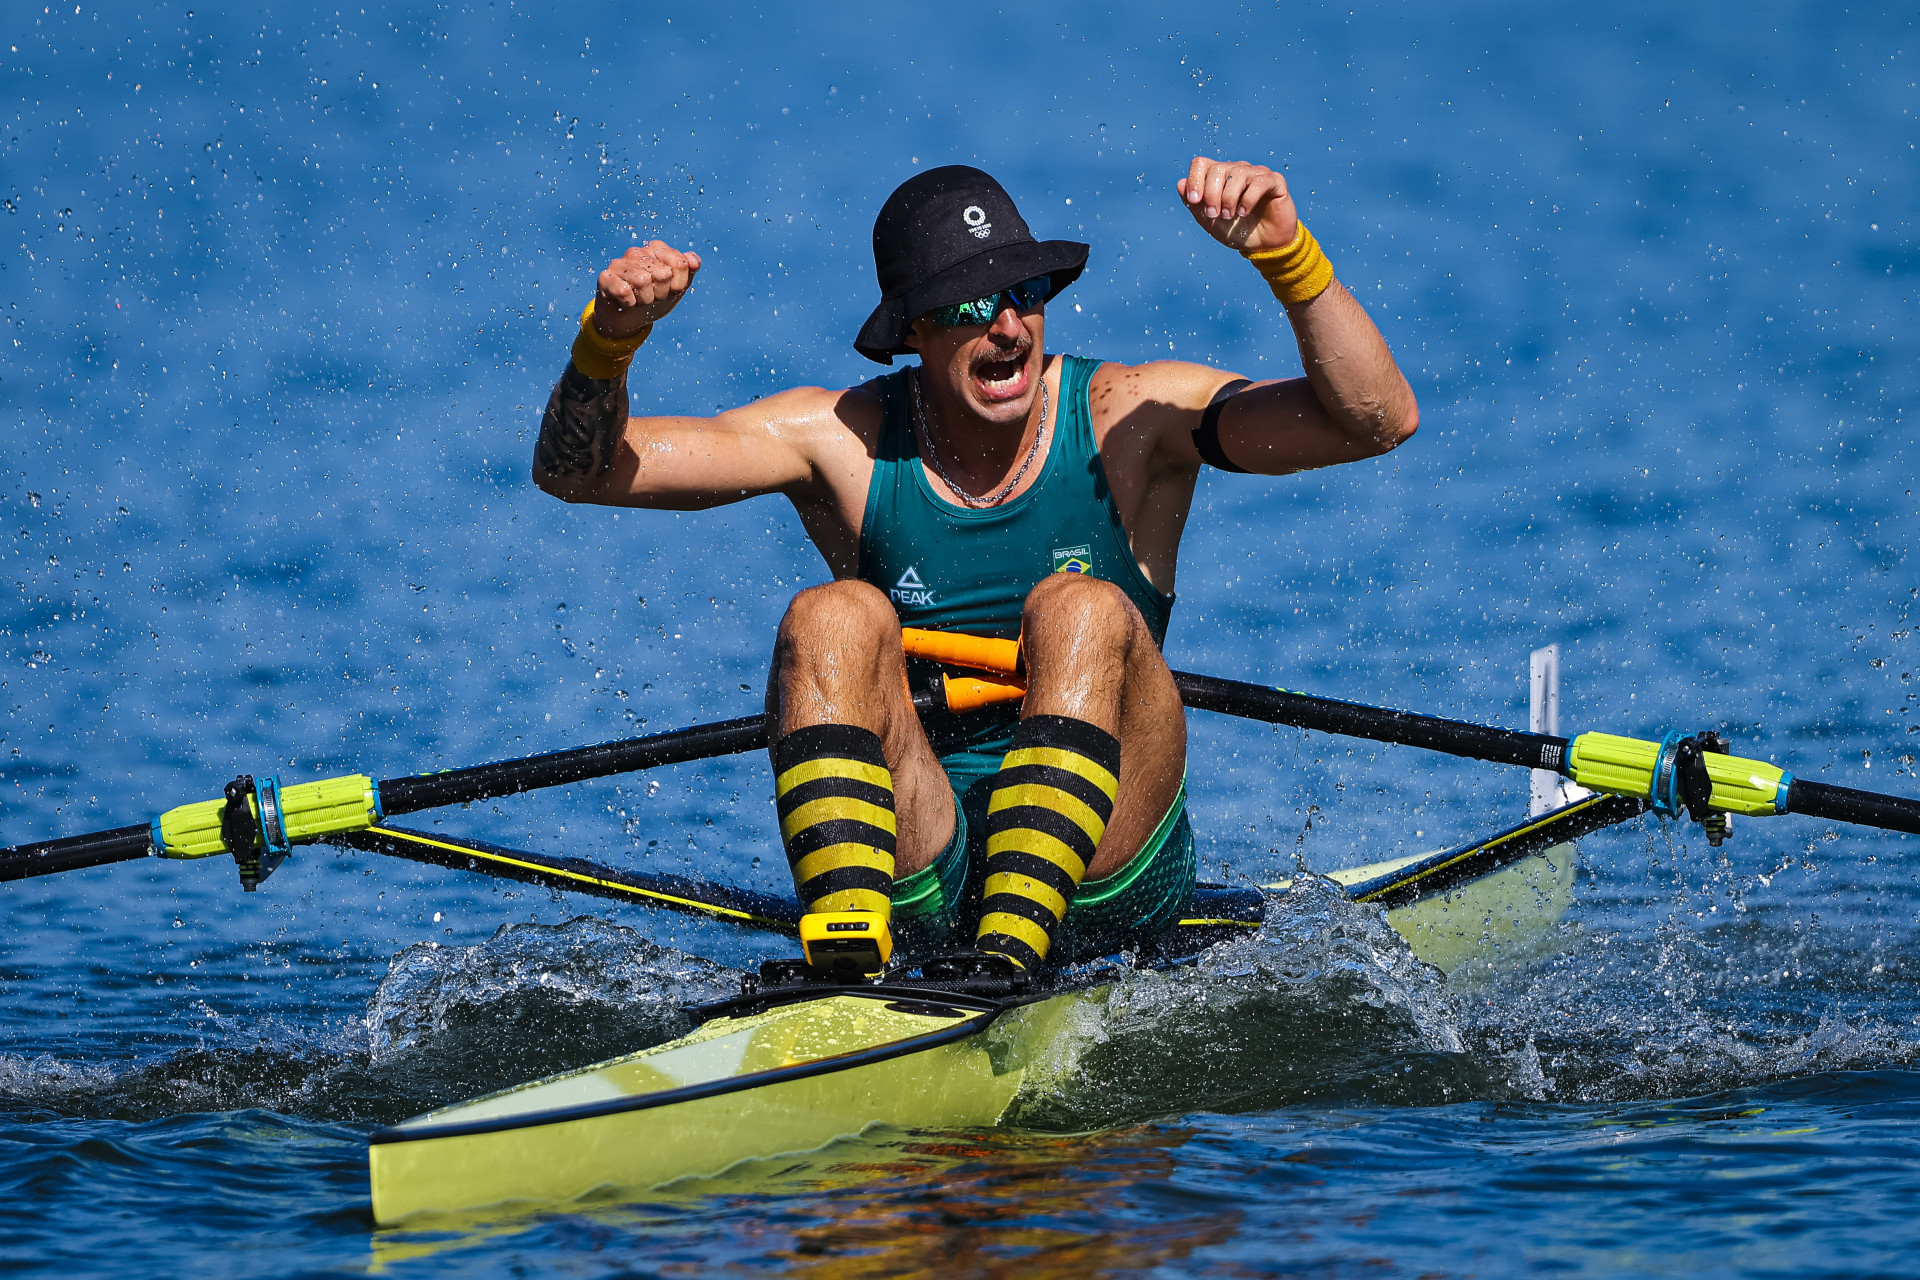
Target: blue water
[285, 288]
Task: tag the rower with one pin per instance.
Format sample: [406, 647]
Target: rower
[997, 490]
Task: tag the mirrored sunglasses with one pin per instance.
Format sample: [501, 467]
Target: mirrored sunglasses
[1028, 293]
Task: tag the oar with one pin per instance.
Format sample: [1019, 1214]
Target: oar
[263, 819]
[1681, 772]
[278, 816]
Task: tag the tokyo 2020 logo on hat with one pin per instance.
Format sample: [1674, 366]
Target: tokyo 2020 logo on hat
[952, 235]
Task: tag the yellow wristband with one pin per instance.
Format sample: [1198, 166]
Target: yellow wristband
[604, 358]
[1297, 273]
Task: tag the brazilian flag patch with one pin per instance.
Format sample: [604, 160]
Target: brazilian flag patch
[1073, 559]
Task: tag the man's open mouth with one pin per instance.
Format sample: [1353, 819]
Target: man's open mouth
[1002, 379]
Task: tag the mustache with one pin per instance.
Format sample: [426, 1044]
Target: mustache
[1016, 354]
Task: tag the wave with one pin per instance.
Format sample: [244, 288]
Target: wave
[445, 1023]
[1324, 1004]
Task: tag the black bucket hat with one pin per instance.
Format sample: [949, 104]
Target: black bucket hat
[951, 235]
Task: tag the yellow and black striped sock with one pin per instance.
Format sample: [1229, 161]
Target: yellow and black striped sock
[1050, 805]
[835, 800]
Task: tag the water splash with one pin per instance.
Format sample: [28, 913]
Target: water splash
[276, 1073]
[445, 1023]
[1325, 1001]
[1677, 1012]
[559, 978]
[35, 1078]
[451, 1022]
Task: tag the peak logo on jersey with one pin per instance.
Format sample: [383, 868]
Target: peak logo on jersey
[1073, 559]
[911, 591]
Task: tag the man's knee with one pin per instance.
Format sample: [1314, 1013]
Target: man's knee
[834, 622]
[838, 610]
[1080, 605]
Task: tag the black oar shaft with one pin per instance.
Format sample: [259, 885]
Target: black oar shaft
[1381, 724]
[749, 733]
[1844, 804]
[484, 782]
[431, 790]
[72, 853]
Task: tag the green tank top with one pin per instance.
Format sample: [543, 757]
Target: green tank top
[955, 568]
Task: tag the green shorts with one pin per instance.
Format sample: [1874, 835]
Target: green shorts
[935, 908]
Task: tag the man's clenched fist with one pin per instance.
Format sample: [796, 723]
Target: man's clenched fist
[640, 286]
[1243, 206]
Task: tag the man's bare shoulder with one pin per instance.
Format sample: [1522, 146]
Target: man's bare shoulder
[818, 427]
[827, 410]
[1174, 386]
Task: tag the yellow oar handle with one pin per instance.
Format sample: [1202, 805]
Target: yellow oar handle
[1651, 771]
[307, 810]
[978, 652]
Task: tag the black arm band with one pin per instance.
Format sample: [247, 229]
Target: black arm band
[1206, 436]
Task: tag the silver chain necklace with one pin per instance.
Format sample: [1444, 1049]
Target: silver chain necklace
[998, 495]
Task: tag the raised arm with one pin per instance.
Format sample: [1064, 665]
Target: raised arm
[1354, 402]
[591, 450]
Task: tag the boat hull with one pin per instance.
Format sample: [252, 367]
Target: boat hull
[790, 1079]
[800, 1075]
